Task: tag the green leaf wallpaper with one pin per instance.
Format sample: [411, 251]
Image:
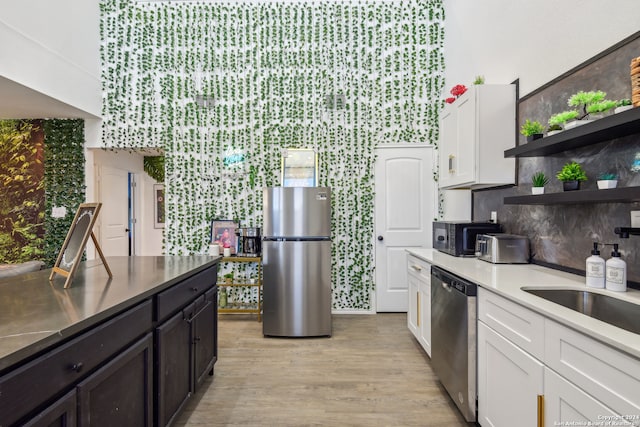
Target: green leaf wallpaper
[212, 81]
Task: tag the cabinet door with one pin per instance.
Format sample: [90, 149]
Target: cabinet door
[120, 393]
[425, 316]
[465, 160]
[509, 382]
[173, 349]
[62, 413]
[414, 305]
[204, 338]
[607, 374]
[566, 404]
[448, 149]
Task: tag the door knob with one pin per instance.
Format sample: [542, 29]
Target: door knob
[380, 238]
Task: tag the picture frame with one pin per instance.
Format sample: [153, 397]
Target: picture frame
[158, 206]
[224, 231]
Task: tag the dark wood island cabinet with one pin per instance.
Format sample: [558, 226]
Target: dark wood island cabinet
[122, 352]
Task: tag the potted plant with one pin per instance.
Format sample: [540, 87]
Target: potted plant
[561, 118]
[598, 110]
[479, 80]
[532, 130]
[571, 175]
[553, 129]
[582, 100]
[228, 278]
[623, 105]
[539, 180]
[607, 180]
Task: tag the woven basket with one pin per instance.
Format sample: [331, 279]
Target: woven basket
[635, 81]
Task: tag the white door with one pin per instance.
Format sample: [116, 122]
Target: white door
[404, 208]
[113, 185]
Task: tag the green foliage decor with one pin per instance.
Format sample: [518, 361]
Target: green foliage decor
[21, 192]
[561, 118]
[585, 99]
[607, 177]
[529, 128]
[211, 81]
[539, 179]
[63, 179]
[601, 107]
[571, 172]
[154, 167]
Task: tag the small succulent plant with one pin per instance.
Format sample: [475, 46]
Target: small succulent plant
[539, 179]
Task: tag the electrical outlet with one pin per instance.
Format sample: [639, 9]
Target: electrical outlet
[58, 212]
[494, 216]
[635, 219]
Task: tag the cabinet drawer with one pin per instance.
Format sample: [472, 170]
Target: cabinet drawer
[420, 268]
[605, 373]
[176, 297]
[32, 384]
[515, 322]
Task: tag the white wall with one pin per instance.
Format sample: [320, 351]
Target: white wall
[53, 48]
[535, 41]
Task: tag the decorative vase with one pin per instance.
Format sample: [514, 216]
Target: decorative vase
[570, 185]
[537, 190]
[553, 132]
[604, 184]
[533, 137]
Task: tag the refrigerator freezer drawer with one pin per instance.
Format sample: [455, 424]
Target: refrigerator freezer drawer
[296, 288]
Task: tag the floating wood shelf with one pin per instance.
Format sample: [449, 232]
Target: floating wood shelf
[607, 128]
[620, 195]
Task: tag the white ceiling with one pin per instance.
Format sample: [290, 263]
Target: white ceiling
[20, 102]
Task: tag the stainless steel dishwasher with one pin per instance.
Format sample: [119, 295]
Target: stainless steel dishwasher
[453, 338]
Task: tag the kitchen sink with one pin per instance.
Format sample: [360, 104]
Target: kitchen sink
[613, 311]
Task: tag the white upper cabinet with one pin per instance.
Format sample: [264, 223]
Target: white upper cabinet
[474, 133]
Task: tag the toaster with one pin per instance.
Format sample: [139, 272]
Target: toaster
[502, 248]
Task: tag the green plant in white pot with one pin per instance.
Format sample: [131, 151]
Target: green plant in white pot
[571, 175]
[607, 180]
[539, 180]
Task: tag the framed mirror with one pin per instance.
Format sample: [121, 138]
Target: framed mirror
[79, 232]
[299, 167]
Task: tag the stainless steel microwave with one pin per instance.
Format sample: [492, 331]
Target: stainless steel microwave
[459, 238]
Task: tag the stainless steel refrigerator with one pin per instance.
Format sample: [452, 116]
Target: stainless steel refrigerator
[296, 258]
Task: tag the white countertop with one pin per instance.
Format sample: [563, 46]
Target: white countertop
[507, 279]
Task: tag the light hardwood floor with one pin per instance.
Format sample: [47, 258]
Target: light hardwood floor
[371, 372]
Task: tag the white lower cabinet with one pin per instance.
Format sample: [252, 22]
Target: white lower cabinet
[414, 304]
[419, 312]
[565, 404]
[509, 381]
[578, 378]
[424, 336]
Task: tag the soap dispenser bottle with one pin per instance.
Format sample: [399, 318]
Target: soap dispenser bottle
[616, 272]
[595, 269]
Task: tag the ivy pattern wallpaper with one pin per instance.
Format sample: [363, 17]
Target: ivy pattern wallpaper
[224, 87]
